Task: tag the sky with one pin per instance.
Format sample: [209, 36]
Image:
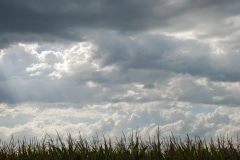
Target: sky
[108, 67]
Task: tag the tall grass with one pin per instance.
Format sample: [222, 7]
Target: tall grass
[131, 147]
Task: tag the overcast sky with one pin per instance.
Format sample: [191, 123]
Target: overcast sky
[110, 66]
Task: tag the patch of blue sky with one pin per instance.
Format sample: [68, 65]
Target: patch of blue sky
[47, 47]
[9, 121]
[196, 109]
[77, 120]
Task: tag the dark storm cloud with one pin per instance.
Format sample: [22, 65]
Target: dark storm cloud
[55, 16]
[156, 52]
[44, 20]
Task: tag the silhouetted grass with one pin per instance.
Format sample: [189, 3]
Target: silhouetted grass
[129, 148]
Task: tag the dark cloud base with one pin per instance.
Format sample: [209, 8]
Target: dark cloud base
[50, 21]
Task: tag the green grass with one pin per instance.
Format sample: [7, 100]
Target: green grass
[131, 147]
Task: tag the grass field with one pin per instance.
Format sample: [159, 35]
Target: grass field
[130, 147]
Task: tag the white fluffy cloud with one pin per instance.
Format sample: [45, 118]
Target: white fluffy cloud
[113, 119]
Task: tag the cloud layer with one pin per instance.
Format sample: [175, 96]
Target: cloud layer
[144, 68]
[125, 64]
[76, 20]
[111, 120]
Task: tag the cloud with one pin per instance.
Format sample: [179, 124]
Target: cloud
[121, 68]
[108, 66]
[157, 52]
[77, 20]
[113, 119]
